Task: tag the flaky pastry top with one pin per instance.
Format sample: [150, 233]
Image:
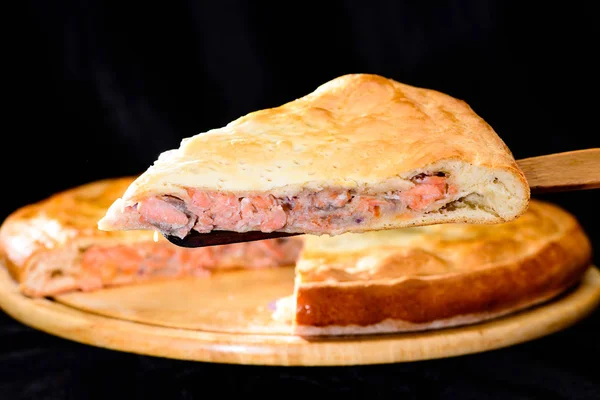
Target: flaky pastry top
[357, 129]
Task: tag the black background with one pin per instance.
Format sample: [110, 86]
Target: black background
[103, 88]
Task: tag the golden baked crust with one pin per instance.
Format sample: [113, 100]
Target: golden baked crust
[357, 131]
[64, 219]
[437, 276]
[43, 245]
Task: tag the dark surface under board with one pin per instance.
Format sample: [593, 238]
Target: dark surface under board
[35, 365]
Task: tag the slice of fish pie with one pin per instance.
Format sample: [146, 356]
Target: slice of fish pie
[360, 153]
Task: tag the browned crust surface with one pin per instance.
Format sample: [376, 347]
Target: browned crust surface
[534, 270]
[64, 218]
[356, 128]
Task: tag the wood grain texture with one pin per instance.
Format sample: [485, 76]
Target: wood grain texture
[230, 302]
[560, 172]
[287, 350]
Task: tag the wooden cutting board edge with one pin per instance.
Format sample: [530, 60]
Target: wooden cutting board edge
[281, 350]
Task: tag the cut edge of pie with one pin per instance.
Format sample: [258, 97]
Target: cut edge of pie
[434, 277]
[53, 247]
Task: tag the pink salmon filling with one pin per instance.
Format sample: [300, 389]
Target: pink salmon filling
[118, 264]
[319, 212]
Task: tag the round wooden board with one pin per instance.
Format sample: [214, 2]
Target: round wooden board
[141, 319]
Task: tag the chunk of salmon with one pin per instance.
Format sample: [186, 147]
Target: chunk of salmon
[230, 212]
[162, 213]
[200, 205]
[429, 190]
[372, 205]
[225, 210]
[263, 211]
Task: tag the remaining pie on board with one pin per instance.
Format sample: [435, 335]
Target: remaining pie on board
[434, 276]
